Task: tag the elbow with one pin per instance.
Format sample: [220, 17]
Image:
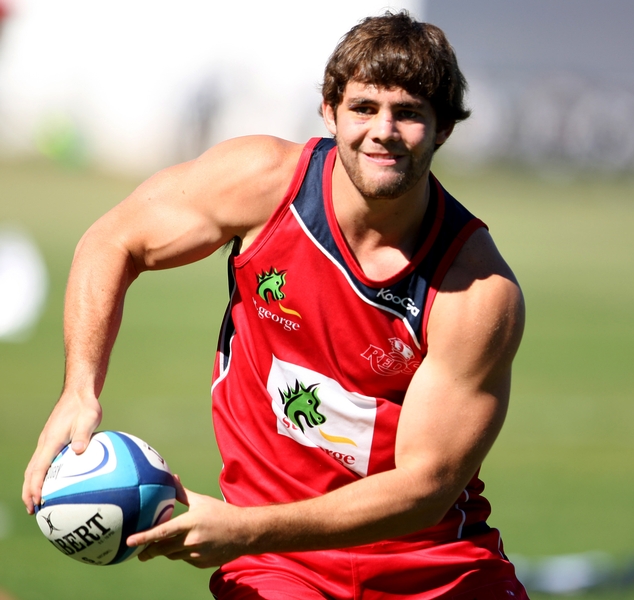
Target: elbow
[432, 508]
[97, 246]
[433, 493]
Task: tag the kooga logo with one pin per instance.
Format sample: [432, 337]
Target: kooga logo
[406, 303]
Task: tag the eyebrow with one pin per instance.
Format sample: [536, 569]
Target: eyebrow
[358, 100]
[411, 104]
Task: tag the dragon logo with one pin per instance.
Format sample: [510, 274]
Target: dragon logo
[303, 409]
[270, 285]
[300, 404]
[269, 288]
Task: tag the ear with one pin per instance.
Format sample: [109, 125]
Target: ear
[442, 135]
[330, 117]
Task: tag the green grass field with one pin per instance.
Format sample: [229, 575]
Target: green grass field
[561, 477]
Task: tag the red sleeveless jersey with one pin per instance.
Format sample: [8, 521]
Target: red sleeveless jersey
[315, 358]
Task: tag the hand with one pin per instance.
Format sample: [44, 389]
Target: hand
[74, 419]
[201, 537]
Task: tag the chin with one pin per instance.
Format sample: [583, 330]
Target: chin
[387, 190]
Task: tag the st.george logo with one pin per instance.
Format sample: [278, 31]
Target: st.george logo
[269, 289]
[316, 411]
[301, 403]
[301, 408]
[270, 285]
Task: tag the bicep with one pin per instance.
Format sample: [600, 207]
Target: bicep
[186, 212]
[448, 424]
[457, 400]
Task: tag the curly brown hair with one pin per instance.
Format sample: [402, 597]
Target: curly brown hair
[394, 50]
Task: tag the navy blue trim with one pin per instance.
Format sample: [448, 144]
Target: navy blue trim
[228, 327]
[407, 296]
[147, 474]
[474, 529]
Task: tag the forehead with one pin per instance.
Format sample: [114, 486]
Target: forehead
[368, 92]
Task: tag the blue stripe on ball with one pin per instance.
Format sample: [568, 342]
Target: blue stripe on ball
[151, 496]
[146, 472]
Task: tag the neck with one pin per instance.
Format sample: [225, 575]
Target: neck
[382, 233]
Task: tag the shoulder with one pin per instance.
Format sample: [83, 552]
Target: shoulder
[245, 178]
[479, 309]
[186, 212]
[238, 182]
[261, 156]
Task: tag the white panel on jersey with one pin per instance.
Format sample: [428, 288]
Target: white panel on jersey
[315, 410]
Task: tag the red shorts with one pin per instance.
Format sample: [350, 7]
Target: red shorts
[469, 569]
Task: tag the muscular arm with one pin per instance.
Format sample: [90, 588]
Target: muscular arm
[178, 216]
[451, 415]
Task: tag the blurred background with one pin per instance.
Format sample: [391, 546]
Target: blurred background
[94, 97]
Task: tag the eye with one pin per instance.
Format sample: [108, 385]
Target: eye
[362, 109]
[407, 114]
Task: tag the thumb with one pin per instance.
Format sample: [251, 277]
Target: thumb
[83, 432]
[78, 445]
[182, 493]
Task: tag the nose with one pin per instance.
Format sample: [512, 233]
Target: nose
[384, 127]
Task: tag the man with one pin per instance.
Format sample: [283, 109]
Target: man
[363, 370]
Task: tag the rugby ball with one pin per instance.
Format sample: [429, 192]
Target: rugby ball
[92, 502]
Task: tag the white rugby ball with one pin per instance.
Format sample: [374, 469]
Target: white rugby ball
[93, 501]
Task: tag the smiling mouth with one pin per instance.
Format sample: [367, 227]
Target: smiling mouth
[383, 159]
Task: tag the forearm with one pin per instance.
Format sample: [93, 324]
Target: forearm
[378, 507]
[100, 275]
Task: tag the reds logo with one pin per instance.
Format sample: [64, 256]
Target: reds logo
[400, 359]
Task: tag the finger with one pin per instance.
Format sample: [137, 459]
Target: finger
[72, 420]
[195, 558]
[161, 532]
[87, 422]
[169, 548]
[27, 499]
[201, 562]
[182, 493]
[32, 488]
[35, 474]
[27, 496]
